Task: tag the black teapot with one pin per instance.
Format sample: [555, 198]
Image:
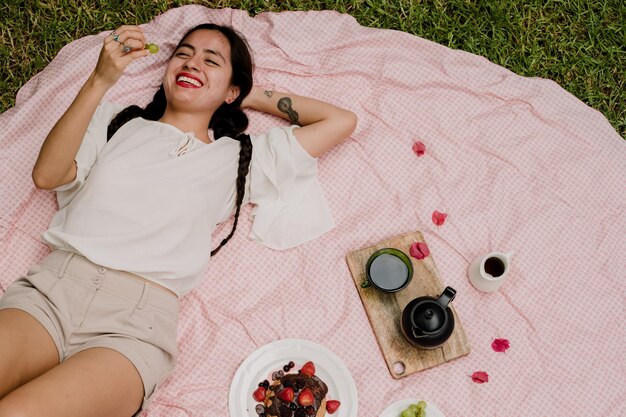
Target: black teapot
[427, 322]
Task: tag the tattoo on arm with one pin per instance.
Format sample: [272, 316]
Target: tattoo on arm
[269, 93]
[284, 105]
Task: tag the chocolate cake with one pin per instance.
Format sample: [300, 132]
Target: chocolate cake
[276, 407]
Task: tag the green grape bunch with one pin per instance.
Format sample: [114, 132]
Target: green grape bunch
[415, 410]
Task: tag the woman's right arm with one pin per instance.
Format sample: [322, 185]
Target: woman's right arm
[55, 164]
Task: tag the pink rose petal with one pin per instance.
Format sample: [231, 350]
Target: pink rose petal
[500, 345]
[480, 377]
[419, 250]
[439, 218]
[419, 148]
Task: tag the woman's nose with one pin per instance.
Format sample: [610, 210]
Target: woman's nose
[193, 63]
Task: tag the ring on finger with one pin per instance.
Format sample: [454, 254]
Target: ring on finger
[126, 49]
[116, 37]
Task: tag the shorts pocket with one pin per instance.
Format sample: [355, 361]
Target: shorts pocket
[154, 327]
[158, 330]
[42, 278]
[140, 323]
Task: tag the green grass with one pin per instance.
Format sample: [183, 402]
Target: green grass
[580, 44]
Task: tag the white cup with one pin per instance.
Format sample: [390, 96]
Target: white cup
[487, 273]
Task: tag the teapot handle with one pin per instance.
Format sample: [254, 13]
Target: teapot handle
[446, 296]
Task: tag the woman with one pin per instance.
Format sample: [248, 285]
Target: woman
[91, 331]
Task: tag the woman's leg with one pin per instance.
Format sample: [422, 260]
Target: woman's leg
[26, 349]
[97, 382]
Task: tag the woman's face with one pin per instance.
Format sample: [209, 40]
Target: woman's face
[197, 77]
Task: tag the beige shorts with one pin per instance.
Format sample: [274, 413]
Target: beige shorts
[83, 305]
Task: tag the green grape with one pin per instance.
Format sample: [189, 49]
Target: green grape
[152, 47]
[409, 413]
[415, 410]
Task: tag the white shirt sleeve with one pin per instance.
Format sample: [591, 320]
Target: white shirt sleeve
[93, 142]
[291, 208]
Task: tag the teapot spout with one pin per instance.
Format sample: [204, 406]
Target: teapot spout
[417, 333]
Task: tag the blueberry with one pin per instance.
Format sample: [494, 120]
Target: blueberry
[260, 409]
[286, 368]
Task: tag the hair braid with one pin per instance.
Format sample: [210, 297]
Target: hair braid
[245, 155]
[153, 111]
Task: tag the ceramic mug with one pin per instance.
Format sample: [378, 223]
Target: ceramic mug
[388, 270]
[487, 273]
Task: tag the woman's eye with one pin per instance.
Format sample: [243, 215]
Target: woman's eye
[182, 54]
[210, 62]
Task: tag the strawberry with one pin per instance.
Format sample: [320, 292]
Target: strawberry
[332, 406]
[286, 394]
[259, 394]
[305, 398]
[308, 369]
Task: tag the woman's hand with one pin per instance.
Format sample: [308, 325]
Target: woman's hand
[55, 165]
[124, 45]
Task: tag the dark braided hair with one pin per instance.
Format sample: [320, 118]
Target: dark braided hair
[228, 120]
[245, 154]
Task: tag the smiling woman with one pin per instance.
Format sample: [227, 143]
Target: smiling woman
[139, 221]
[206, 77]
[198, 78]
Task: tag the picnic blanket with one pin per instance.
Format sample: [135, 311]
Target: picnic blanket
[517, 163]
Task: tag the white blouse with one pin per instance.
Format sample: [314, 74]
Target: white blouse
[147, 201]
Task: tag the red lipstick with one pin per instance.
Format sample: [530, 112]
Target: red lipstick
[186, 80]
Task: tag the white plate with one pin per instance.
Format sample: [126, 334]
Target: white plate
[395, 409]
[270, 358]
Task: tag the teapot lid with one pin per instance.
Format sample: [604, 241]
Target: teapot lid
[429, 316]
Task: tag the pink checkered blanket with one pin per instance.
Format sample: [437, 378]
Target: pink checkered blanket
[517, 163]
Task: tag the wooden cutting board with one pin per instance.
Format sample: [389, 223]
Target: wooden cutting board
[385, 309]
